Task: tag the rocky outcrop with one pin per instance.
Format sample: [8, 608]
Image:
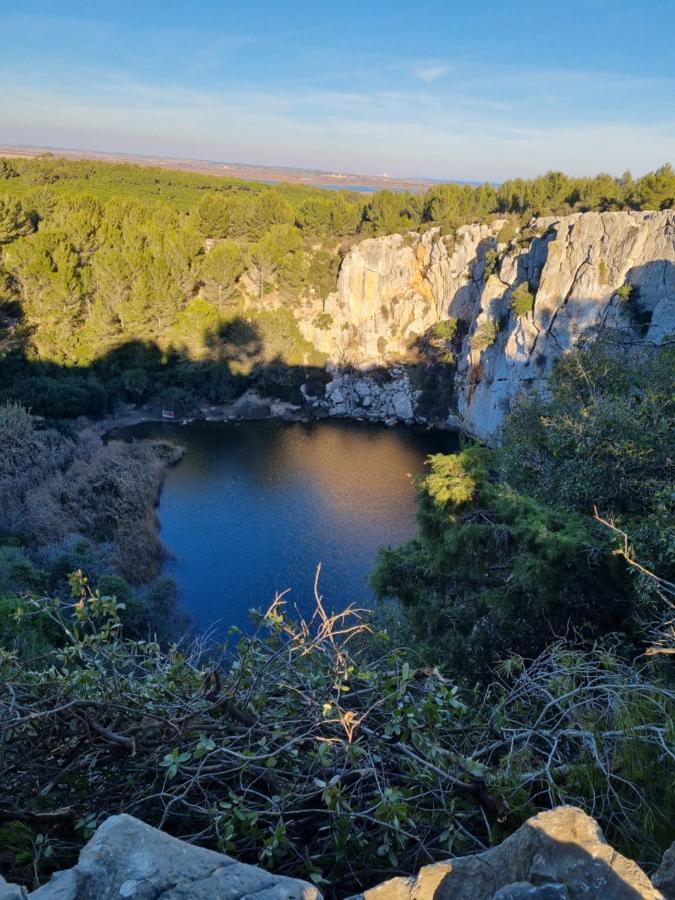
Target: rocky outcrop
[387, 397]
[557, 855]
[392, 290]
[664, 879]
[129, 859]
[574, 272]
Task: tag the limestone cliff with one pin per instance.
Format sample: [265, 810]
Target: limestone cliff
[585, 272]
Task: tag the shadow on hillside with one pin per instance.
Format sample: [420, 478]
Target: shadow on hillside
[236, 355]
[233, 358]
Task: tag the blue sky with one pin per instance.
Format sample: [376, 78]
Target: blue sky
[483, 90]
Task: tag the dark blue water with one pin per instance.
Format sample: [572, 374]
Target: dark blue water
[253, 508]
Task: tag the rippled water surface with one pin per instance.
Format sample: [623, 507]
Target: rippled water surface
[253, 508]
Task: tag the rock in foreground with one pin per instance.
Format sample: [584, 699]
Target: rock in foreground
[557, 855]
[129, 859]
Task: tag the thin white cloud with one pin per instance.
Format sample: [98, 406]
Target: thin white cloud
[428, 74]
[459, 134]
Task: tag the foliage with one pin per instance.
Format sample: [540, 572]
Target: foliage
[491, 263]
[323, 321]
[509, 554]
[484, 336]
[317, 749]
[522, 300]
[625, 292]
[497, 572]
[604, 439]
[506, 234]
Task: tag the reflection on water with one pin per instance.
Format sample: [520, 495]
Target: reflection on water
[252, 508]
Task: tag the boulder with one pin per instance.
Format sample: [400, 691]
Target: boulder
[664, 878]
[11, 891]
[525, 890]
[557, 855]
[128, 859]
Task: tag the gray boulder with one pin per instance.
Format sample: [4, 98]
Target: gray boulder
[563, 849]
[11, 891]
[128, 859]
[525, 890]
[664, 879]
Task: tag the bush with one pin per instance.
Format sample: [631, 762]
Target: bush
[58, 397]
[506, 234]
[626, 292]
[604, 439]
[522, 301]
[507, 572]
[491, 263]
[317, 749]
[446, 329]
[323, 321]
[484, 336]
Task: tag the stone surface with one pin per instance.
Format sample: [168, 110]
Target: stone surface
[380, 399]
[557, 855]
[11, 891]
[128, 859]
[560, 848]
[664, 878]
[393, 289]
[525, 890]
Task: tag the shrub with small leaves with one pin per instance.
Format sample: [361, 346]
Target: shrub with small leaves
[491, 262]
[626, 292]
[484, 336]
[506, 234]
[522, 300]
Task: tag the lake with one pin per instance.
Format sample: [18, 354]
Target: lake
[253, 508]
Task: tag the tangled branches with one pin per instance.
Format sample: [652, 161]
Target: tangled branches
[586, 729]
[292, 754]
[312, 748]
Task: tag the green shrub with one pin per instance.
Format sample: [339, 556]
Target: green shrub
[626, 292]
[522, 300]
[491, 263]
[446, 329]
[506, 234]
[507, 572]
[484, 336]
[270, 755]
[324, 321]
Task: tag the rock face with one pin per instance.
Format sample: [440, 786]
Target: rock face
[129, 859]
[557, 855]
[379, 399]
[392, 290]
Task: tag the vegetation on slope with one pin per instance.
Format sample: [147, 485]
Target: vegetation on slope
[316, 748]
[106, 267]
[509, 555]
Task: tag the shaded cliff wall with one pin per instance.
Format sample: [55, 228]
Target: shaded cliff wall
[393, 290]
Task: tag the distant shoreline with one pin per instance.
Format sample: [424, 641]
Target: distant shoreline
[245, 172]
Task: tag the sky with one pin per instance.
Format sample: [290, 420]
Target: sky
[448, 90]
